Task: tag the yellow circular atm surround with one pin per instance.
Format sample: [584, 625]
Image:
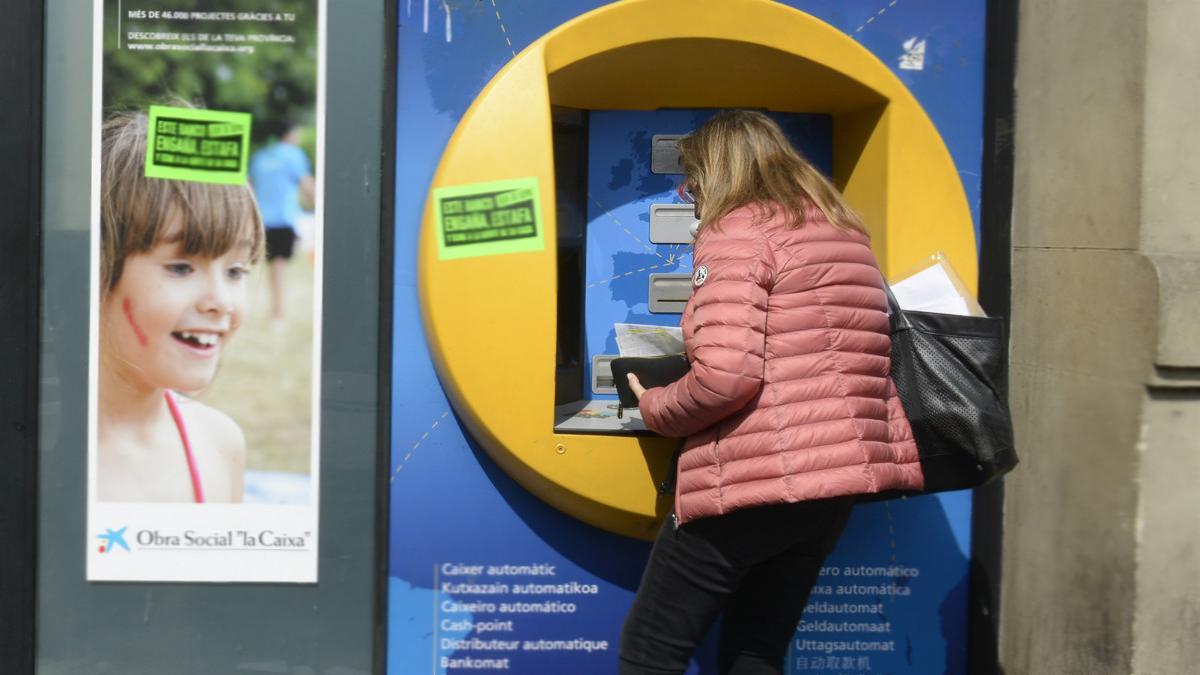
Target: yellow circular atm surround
[491, 320]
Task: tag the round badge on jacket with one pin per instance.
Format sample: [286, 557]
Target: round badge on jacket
[700, 275]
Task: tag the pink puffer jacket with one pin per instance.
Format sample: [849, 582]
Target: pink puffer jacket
[789, 397]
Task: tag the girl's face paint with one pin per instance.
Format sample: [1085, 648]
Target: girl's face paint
[168, 319]
[127, 307]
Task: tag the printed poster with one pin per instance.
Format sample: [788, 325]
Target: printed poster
[206, 231]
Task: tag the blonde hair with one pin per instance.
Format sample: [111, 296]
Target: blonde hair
[741, 158]
[134, 210]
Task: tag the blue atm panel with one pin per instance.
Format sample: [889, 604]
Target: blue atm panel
[484, 577]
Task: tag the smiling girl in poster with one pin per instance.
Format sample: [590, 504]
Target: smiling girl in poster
[174, 260]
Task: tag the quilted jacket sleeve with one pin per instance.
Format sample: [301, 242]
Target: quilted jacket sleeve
[724, 331]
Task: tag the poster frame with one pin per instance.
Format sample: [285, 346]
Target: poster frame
[226, 539]
[329, 626]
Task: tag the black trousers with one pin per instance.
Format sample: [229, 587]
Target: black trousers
[757, 564]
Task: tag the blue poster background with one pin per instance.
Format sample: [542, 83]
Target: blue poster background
[901, 565]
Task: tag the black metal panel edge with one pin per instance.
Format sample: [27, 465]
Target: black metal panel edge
[21, 35]
[995, 289]
[387, 252]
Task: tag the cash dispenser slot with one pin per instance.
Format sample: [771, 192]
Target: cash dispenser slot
[602, 376]
[669, 293]
[672, 223]
[664, 154]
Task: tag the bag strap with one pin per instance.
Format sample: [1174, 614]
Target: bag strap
[896, 314]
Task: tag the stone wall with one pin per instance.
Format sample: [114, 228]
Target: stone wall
[1102, 537]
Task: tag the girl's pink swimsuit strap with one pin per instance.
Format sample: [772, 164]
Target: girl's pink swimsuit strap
[197, 490]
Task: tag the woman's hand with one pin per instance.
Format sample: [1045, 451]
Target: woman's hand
[635, 386]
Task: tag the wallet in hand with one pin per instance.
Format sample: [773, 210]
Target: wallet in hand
[652, 371]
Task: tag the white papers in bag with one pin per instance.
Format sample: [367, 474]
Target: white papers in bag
[936, 288]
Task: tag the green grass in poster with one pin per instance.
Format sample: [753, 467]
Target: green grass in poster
[206, 146]
[489, 218]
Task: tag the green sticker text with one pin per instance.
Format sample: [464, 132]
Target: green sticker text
[488, 218]
[207, 146]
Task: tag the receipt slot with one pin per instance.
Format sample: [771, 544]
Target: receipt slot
[493, 318]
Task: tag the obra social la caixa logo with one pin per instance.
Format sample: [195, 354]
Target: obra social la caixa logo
[113, 539]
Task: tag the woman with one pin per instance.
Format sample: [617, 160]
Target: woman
[788, 410]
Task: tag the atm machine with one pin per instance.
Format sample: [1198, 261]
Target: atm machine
[582, 123]
[618, 65]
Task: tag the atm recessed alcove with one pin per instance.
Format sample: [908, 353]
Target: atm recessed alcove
[887, 158]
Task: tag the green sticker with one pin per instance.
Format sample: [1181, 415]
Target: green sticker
[206, 146]
[488, 218]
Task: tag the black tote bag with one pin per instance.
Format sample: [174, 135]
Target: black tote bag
[950, 372]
